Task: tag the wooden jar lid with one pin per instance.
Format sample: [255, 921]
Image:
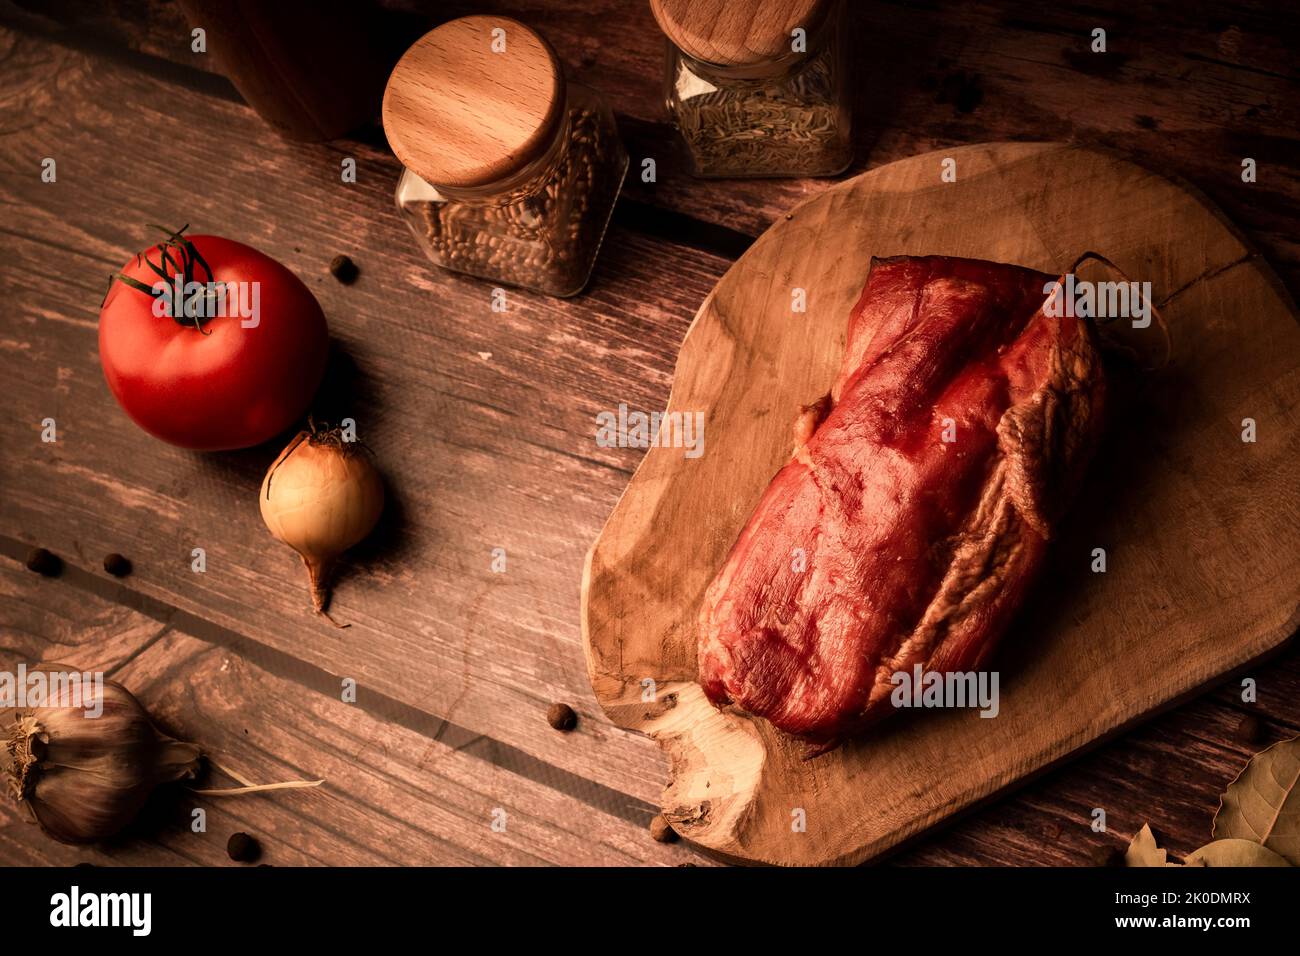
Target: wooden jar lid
[459, 113]
[736, 32]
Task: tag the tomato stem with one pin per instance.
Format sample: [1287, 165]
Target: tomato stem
[167, 271]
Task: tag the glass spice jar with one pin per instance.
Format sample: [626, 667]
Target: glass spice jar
[758, 87]
[511, 172]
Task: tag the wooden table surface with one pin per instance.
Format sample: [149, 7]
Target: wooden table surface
[484, 425]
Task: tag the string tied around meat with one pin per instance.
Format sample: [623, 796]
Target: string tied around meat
[1100, 325]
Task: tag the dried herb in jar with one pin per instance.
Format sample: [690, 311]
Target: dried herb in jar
[545, 239]
[511, 171]
[754, 128]
[758, 90]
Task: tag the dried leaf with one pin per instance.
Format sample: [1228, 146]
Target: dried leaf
[1263, 804]
[1143, 850]
[1235, 853]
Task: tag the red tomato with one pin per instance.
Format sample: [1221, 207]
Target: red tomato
[247, 376]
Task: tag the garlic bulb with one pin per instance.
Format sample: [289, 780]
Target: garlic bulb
[321, 496]
[85, 777]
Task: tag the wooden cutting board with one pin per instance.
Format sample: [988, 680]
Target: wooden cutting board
[1200, 528]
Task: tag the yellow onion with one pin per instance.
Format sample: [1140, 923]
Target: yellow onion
[85, 768]
[321, 496]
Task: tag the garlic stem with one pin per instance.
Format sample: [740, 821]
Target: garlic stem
[235, 791]
[250, 787]
[228, 772]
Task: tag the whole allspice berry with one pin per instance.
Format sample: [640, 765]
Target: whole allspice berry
[562, 717]
[43, 562]
[662, 830]
[344, 269]
[117, 565]
[1250, 730]
[242, 848]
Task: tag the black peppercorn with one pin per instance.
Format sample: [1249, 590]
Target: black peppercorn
[117, 565]
[44, 562]
[662, 830]
[344, 269]
[562, 717]
[1250, 730]
[243, 848]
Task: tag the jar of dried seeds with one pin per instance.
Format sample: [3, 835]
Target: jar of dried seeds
[511, 173]
[758, 87]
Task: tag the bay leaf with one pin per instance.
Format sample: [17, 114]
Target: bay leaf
[1142, 851]
[1263, 804]
[1235, 853]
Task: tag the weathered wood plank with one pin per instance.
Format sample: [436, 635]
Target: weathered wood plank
[392, 796]
[1168, 773]
[39, 624]
[1187, 90]
[639, 357]
[478, 452]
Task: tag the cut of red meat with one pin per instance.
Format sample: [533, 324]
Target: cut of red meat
[917, 506]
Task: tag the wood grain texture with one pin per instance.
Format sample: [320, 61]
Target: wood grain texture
[1191, 90]
[1168, 772]
[1046, 823]
[482, 422]
[392, 796]
[1188, 89]
[736, 32]
[461, 111]
[1201, 532]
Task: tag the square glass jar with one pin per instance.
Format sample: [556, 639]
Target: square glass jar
[511, 172]
[541, 230]
[786, 114]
